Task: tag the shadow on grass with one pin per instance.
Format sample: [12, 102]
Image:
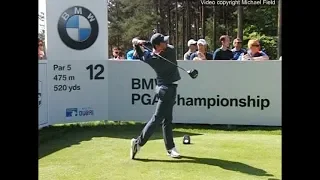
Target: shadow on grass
[224, 164]
[55, 138]
[227, 127]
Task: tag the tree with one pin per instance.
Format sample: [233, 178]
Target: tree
[240, 22]
[183, 19]
[41, 33]
[128, 19]
[279, 29]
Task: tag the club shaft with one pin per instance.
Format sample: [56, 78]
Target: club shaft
[164, 58]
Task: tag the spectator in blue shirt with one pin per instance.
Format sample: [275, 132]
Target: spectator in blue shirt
[254, 52]
[223, 53]
[130, 54]
[237, 50]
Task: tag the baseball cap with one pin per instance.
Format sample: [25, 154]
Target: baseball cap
[157, 38]
[202, 41]
[191, 41]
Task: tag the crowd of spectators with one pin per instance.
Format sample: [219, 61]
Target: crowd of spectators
[198, 50]
[224, 52]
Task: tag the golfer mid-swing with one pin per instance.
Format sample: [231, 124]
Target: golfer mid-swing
[166, 89]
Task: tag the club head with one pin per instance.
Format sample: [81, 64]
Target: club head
[186, 139]
[193, 73]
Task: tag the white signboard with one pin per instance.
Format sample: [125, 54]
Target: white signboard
[42, 95]
[225, 92]
[78, 90]
[77, 30]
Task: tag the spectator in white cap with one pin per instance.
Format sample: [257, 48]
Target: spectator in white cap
[202, 53]
[192, 44]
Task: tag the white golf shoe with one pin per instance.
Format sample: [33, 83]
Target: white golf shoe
[134, 149]
[173, 153]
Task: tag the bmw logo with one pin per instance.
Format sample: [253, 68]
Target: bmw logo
[78, 28]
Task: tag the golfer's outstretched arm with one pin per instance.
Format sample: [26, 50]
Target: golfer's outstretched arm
[144, 56]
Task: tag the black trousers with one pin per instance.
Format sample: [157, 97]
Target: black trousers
[163, 115]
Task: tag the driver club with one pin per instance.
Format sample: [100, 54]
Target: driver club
[193, 73]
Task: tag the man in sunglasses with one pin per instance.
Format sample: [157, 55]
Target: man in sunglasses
[254, 52]
[237, 50]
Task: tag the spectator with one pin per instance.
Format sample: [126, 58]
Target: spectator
[202, 53]
[41, 54]
[121, 55]
[254, 52]
[223, 53]
[262, 48]
[237, 50]
[117, 54]
[192, 44]
[130, 53]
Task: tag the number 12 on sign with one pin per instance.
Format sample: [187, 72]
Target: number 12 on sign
[95, 71]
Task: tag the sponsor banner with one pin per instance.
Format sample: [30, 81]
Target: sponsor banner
[77, 30]
[42, 95]
[225, 92]
[78, 91]
[78, 112]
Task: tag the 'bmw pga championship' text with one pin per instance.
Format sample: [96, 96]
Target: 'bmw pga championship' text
[253, 101]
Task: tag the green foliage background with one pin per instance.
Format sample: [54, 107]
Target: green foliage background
[131, 18]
